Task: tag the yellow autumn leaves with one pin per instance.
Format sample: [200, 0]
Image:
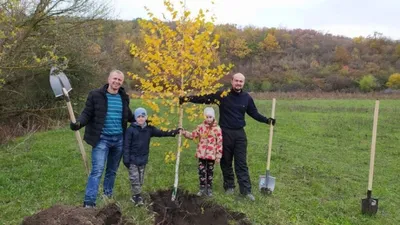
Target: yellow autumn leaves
[170, 156]
[180, 57]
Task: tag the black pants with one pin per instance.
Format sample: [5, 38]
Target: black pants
[235, 147]
[206, 172]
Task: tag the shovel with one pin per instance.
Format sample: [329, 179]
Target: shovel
[369, 205]
[61, 86]
[267, 182]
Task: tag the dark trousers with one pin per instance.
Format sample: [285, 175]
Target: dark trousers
[235, 147]
[206, 173]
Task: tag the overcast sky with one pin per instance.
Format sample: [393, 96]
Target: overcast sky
[340, 17]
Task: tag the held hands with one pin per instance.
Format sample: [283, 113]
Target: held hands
[271, 121]
[75, 126]
[183, 99]
[183, 132]
[217, 160]
[177, 131]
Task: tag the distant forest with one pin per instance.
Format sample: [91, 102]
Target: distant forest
[86, 46]
[275, 59]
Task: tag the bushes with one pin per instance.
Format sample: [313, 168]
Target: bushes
[368, 83]
[338, 83]
[394, 81]
[258, 86]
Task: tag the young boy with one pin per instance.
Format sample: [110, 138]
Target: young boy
[209, 149]
[136, 150]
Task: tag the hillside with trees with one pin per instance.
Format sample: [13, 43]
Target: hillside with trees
[79, 38]
[291, 60]
[277, 59]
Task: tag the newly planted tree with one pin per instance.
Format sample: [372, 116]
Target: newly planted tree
[180, 56]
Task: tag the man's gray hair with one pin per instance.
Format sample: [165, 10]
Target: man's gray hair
[116, 71]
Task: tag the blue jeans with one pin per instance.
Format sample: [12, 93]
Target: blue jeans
[109, 149]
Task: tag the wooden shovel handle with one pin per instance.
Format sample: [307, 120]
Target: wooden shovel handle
[77, 134]
[373, 144]
[271, 133]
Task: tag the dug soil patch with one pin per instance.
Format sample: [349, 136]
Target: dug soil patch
[190, 209]
[72, 215]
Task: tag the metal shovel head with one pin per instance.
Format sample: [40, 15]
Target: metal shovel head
[58, 81]
[266, 184]
[369, 206]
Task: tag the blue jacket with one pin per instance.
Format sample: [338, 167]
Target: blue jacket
[137, 142]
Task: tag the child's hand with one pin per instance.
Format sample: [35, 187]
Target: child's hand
[217, 160]
[176, 131]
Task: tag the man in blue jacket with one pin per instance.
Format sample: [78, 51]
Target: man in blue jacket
[232, 109]
[105, 117]
[136, 150]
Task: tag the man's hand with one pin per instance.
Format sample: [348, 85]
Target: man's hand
[217, 160]
[181, 100]
[176, 131]
[75, 126]
[271, 121]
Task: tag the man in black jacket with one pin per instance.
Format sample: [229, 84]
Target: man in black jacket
[105, 116]
[232, 109]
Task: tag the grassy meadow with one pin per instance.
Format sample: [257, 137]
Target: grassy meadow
[320, 159]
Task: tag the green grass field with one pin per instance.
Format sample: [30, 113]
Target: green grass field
[320, 160]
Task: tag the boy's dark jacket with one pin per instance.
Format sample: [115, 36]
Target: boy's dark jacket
[137, 141]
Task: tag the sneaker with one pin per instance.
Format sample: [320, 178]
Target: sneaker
[250, 197]
[108, 196]
[201, 192]
[229, 191]
[89, 206]
[209, 192]
[137, 200]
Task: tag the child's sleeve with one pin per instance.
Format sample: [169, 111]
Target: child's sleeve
[155, 132]
[127, 146]
[192, 135]
[219, 144]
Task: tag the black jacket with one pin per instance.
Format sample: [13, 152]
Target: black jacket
[137, 142]
[95, 111]
[232, 108]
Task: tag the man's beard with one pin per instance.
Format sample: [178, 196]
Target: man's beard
[237, 89]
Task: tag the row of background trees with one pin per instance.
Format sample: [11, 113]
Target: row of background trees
[78, 36]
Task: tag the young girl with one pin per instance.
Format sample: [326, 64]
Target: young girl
[136, 150]
[209, 149]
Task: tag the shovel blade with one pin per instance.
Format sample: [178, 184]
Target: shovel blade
[56, 86]
[266, 184]
[369, 206]
[58, 81]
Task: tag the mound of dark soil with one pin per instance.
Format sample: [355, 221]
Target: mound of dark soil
[70, 215]
[189, 209]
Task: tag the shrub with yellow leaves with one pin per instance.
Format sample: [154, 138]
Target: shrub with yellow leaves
[394, 81]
